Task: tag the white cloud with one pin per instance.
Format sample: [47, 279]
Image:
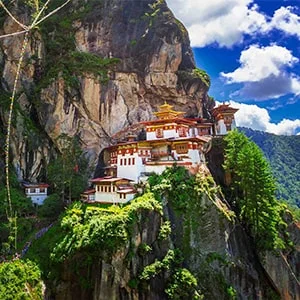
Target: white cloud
[223, 22]
[295, 81]
[258, 118]
[264, 73]
[226, 22]
[259, 63]
[286, 20]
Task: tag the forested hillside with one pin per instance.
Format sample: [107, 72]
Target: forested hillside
[284, 156]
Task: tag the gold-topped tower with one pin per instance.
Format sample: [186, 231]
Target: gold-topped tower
[166, 112]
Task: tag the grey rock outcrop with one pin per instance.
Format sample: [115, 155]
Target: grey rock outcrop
[152, 47]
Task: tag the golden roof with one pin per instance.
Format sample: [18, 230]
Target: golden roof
[166, 112]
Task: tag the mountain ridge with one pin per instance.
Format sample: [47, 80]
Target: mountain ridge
[283, 154]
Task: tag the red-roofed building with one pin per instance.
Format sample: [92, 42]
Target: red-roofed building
[224, 118]
[88, 196]
[170, 139]
[112, 190]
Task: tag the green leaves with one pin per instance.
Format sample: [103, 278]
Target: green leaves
[175, 183]
[183, 286]
[69, 172]
[253, 188]
[284, 156]
[202, 75]
[90, 228]
[187, 76]
[20, 202]
[20, 280]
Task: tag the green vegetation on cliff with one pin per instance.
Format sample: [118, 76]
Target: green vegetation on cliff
[22, 208]
[191, 197]
[62, 58]
[182, 284]
[253, 191]
[98, 231]
[68, 174]
[284, 156]
[20, 280]
[90, 228]
[189, 76]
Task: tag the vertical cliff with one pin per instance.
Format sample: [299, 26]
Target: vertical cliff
[140, 250]
[92, 69]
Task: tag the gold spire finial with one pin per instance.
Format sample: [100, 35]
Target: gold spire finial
[166, 112]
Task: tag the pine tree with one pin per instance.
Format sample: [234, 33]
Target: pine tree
[69, 172]
[254, 190]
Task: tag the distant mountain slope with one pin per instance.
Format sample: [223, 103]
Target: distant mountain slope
[283, 152]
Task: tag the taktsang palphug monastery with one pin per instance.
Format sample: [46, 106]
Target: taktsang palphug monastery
[169, 139]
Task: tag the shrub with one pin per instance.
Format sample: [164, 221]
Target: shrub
[20, 280]
[52, 207]
[183, 285]
[165, 230]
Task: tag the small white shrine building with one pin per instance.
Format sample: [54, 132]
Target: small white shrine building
[36, 191]
[113, 190]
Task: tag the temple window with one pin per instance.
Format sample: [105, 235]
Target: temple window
[32, 191]
[121, 162]
[159, 133]
[182, 132]
[125, 161]
[133, 160]
[42, 190]
[182, 149]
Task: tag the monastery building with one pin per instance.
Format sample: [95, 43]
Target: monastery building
[170, 139]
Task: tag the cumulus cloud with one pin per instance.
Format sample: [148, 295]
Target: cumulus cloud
[272, 87]
[226, 22]
[258, 118]
[264, 73]
[286, 20]
[258, 63]
[223, 22]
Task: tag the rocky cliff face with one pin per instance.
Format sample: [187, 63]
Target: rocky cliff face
[155, 65]
[214, 247]
[115, 276]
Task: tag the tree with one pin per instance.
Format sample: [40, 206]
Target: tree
[22, 204]
[253, 188]
[20, 280]
[22, 207]
[69, 172]
[51, 207]
[39, 15]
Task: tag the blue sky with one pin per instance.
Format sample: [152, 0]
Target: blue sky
[251, 50]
